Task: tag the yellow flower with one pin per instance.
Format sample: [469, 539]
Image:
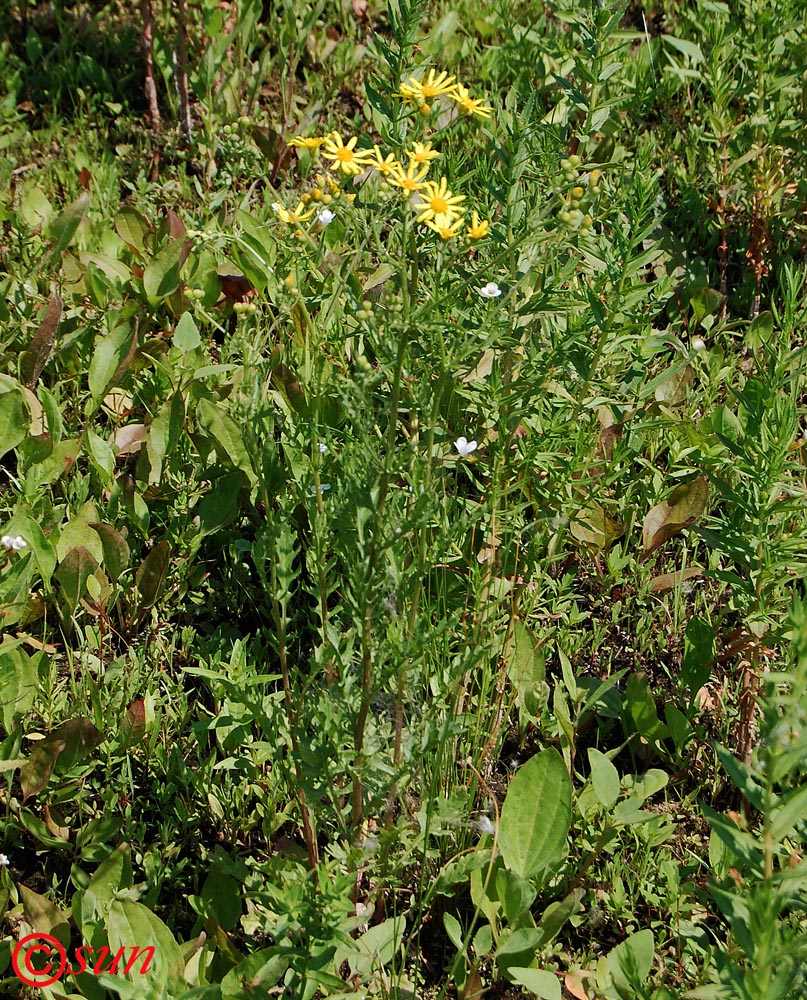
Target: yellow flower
[411, 180]
[478, 229]
[420, 92]
[438, 203]
[292, 218]
[383, 164]
[422, 153]
[469, 104]
[344, 155]
[313, 143]
[444, 228]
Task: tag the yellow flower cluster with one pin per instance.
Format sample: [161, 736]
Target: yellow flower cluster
[435, 204]
[422, 92]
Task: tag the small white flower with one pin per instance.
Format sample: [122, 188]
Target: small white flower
[323, 448]
[3, 861]
[698, 344]
[325, 216]
[465, 447]
[13, 543]
[490, 291]
[323, 489]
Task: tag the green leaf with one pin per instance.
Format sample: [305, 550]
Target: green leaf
[642, 709]
[115, 549]
[682, 507]
[789, 812]
[15, 419]
[161, 276]
[132, 925]
[699, 654]
[218, 507]
[186, 333]
[536, 816]
[261, 971]
[151, 574]
[73, 572]
[108, 356]
[44, 916]
[133, 228]
[377, 947]
[18, 685]
[225, 432]
[630, 962]
[63, 227]
[526, 667]
[595, 528]
[112, 876]
[604, 778]
[545, 985]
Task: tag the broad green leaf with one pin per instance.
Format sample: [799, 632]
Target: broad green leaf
[73, 572]
[526, 667]
[545, 985]
[161, 276]
[220, 426]
[604, 778]
[594, 527]
[682, 507]
[789, 812]
[515, 893]
[133, 228]
[109, 354]
[377, 947]
[218, 507]
[699, 654]
[556, 914]
[115, 549]
[536, 816]
[151, 574]
[112, 876]
[63, 227]
[642, 709]
[18, 685]
[630, 962]
[132, 925]
[15, 419]
[101, 456]
[44, 916]
[186, 333]
[260, 971]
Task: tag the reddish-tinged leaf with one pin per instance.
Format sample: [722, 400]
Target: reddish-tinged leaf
[35, 357]
[73, 572]
[73, 739]
[236, 288]
[669, 581]
[681, 508]
[133, 727]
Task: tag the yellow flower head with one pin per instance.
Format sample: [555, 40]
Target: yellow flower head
[444, 228]
[478, 229]
[419, 92]
[313, 143]
[438, 203]
[383, 164]
[343, 156]
[422, 153]
[469, 104]
[410, 180]
[292, 218]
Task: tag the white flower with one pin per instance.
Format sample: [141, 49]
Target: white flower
[325, 216]
[3, 861]
[464, 446]
[698, 344]
[323, 448]
[490, 291]
[323, 489]
[13, 543]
